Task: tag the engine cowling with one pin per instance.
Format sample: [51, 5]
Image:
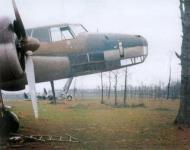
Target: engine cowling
[10, 67]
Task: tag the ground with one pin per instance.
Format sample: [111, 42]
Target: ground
[145, 124]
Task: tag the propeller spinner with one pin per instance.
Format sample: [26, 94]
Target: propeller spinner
[26, 46]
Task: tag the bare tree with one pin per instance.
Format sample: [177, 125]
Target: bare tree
[169, 82]
[125, 89]
[115, 85]
[102, 89]
[109, 87]
[183, 116]
[74, 89]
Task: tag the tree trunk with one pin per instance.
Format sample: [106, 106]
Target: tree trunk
[74, 89]
[109, 88]
[169, 81]
[125, 90]
[116, 75]
[102, 89]
[183, 117]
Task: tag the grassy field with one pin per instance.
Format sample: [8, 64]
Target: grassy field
[146, 126]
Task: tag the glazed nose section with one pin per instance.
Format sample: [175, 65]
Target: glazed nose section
[134, 46]
[133, 50]
[144, 45]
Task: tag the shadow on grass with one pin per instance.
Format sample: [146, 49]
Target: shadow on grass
[163, 109]
[79, 106]
[141, 105]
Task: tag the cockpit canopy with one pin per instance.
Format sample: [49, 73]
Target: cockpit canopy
[57, 32]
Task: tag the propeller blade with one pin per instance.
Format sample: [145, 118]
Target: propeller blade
[31, 83]
[18, 24]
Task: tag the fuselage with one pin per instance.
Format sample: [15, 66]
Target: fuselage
[85, 53]
[68, 50]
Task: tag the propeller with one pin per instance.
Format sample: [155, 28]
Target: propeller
[26, 46]
[19, 30]
[31, 81]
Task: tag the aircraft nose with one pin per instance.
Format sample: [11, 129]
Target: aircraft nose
[134, 40]
[144, 45]
[133, 46]
[143, 40]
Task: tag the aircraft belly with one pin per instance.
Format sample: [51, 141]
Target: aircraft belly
[49, 68]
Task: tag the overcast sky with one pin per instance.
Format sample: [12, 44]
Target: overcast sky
[157, 20]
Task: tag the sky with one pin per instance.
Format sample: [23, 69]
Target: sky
[158, 21]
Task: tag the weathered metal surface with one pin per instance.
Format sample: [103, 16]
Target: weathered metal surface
[51, 68]
[85, 53]
[10, 68]
[89, 43]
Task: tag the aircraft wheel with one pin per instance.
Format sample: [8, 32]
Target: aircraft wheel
[69, 98]
[12, 121]
[9, 123]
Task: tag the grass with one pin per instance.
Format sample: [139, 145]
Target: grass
[149, 126]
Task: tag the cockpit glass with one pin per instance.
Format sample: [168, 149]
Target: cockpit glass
[60, 33]
[77, 29]
[55, 34]
[66, 34]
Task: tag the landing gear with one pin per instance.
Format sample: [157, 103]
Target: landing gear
[69, 98]
[12, 121]
[9, 123]
[53, 92]
[64, 95]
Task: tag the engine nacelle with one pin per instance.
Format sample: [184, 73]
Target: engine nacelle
[10, 68]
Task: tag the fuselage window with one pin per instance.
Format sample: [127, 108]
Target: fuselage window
[42, 34]
[77, 29]
[60, 33]
[66, 34]
[55, 34]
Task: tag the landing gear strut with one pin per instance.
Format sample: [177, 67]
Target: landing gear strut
[53, 92]
[8, 122]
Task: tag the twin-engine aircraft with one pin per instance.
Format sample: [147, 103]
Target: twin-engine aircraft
[56, 52]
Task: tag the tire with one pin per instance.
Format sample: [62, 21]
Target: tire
[12, 120]
[9, 123]
[69, 98]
